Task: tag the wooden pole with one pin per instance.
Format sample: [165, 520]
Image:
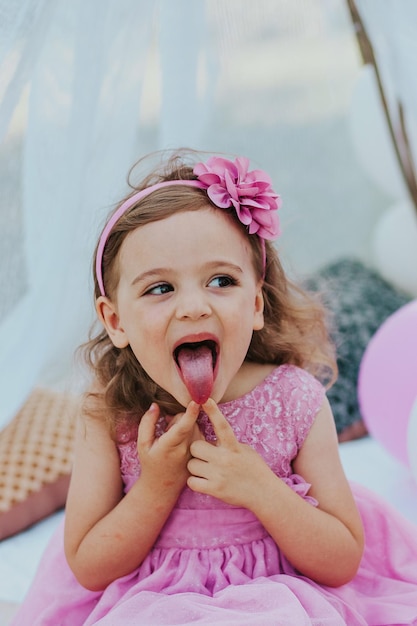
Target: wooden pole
[405, 157]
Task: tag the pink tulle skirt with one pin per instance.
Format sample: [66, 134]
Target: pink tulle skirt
[220, 567]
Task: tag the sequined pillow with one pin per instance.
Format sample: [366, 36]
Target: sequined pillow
[36, 450]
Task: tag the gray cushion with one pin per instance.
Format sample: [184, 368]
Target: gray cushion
[360, 301]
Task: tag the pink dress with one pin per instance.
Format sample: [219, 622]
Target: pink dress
[216, 564]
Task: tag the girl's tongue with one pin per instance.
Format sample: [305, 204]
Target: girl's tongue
[196, 366]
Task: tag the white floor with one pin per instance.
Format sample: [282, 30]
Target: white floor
[368, 463]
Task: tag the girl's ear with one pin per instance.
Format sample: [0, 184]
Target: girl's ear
[258, 318]
[108, 316]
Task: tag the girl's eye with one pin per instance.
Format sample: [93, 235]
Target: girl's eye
[159, 290]
[222, 281]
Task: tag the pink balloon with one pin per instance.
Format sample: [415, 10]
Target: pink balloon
[387, 383]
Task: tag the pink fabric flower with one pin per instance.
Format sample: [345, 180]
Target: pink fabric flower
[230, 183]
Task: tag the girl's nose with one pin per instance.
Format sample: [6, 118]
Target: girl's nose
[193, 306]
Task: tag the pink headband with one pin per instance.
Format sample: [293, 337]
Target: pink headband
[228, 184]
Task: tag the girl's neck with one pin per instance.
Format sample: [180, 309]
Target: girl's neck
[248, 377]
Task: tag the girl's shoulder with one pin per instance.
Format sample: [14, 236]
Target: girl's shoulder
[287, 399]
[294, 395]
[287, 388]
[293, 378]
[297, 388]
[286, 378]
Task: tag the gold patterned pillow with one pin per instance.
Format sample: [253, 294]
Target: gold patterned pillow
[36, 450]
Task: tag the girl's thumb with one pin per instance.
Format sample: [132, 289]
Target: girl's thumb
[146, 432]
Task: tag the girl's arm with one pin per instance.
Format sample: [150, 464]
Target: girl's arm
[108, 534]
[324, 543]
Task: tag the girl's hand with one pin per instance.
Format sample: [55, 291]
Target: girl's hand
[165, 458]
[109, 533]
[228, 470]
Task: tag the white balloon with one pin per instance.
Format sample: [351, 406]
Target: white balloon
[412, 440]
[395, 246]
[371, 137]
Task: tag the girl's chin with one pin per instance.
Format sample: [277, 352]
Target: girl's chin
[185, 398]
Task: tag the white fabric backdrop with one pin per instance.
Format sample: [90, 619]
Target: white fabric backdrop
[86, 88]
[79, 140]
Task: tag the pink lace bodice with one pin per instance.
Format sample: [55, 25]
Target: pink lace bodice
[274, 418]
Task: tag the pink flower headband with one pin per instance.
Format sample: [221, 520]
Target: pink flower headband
[228, 184]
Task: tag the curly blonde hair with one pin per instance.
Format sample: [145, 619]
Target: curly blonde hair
[295, 322]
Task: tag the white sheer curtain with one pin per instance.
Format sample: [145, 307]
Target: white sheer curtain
[87, 87]
[84, 63]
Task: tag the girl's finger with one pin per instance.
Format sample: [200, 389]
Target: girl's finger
[197, 468]
[146, 432]
[221, 426]
[184, 422]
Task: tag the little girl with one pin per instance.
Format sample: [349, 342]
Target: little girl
[207, 485]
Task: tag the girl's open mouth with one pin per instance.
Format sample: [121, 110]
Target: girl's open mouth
[197, 362]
